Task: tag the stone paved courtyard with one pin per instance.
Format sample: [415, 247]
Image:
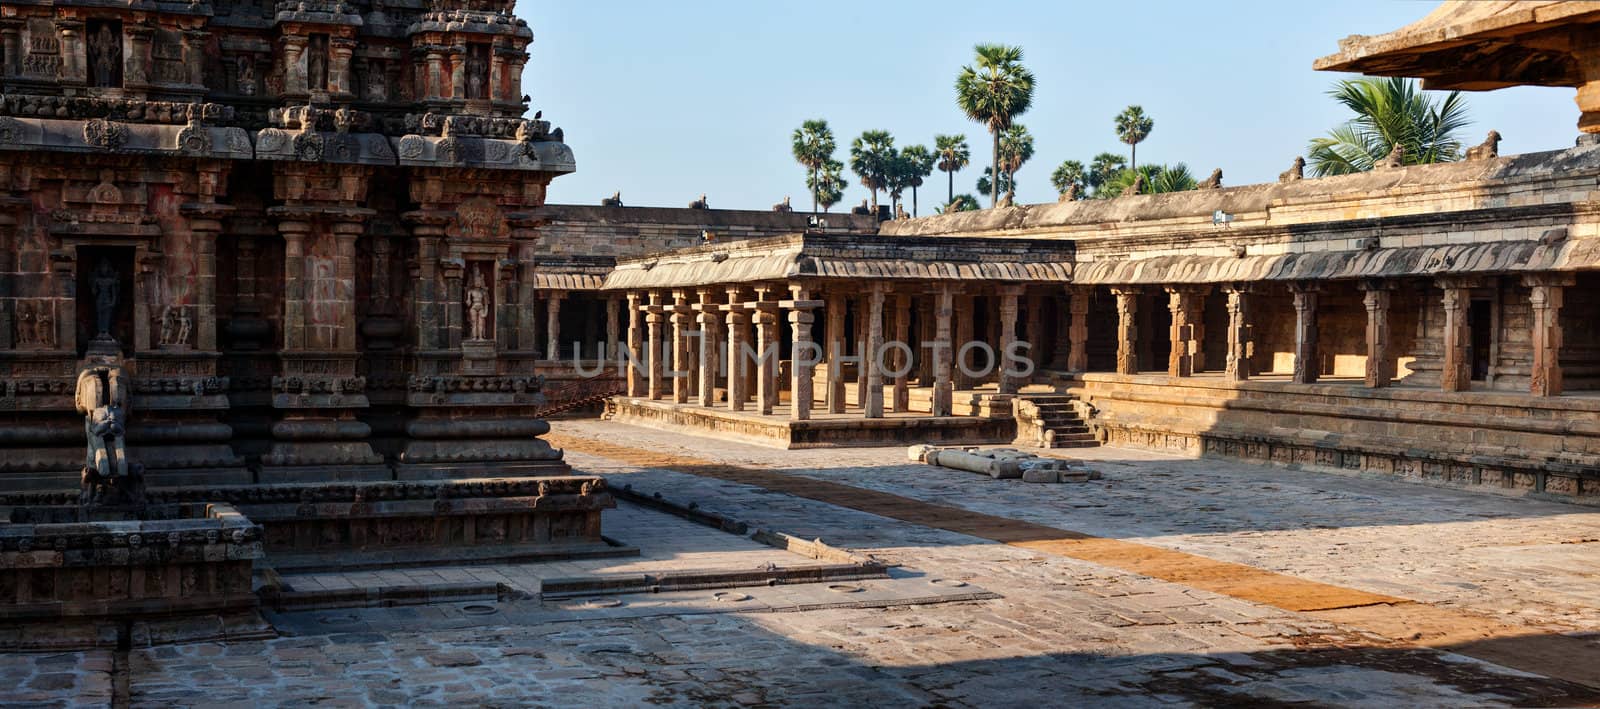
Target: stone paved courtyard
[1063, 631]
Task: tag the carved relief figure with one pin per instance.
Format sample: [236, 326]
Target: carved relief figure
[477, 308]
[317, 62]
[377, 83]
[185, 325]
[477, 75]
[44, 326]
[247, 77]
[25, 331]
[104, 285]
[105, 56]
[169, 326]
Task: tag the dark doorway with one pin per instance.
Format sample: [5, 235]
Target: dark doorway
[1480, 322]
[118, 275]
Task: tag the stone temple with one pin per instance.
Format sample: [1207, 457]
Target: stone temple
[281, 299]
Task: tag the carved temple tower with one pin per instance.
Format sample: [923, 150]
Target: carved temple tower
[309, 229]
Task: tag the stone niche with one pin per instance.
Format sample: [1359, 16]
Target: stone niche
[194, 560]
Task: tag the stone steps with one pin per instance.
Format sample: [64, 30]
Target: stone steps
[1067, 428]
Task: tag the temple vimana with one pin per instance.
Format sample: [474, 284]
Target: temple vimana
[280, 292]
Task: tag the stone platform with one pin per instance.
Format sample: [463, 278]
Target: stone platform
[823, 430]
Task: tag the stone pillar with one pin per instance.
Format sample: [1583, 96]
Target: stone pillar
[682, 384]
[766, 317]
[205, 222]
[294, 66]
[706, 352]
[1238, 367]
[11, 45]
[340, 49]
[637, 351]
[1545, 297]
[1078, 331]
[435, 75]
[1008, 336]
[1035, 334]
[654, 319]
[1306, 364]
[425, 286]
[964, 327]
[1127, 330]
[738, 320]
[902, 360]
[804, 352]
[925, 328]
[552, 319]
[1184, 302]
[943, 352]
[345, 233]
[1457, 372]
[862, 306]
[1380, 366]
[611, 328]
[869, 354]
[294, 282]
[833, 342]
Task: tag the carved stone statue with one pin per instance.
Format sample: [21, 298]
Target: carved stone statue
[614, 200]
[105, 56]
[477, 308]
[44, 325]
[25, 331]
[104, 285]
[1488, 149]
[700, 203]
[247, 76]
[1213, 182]
[783, 207]
[185, 325]
[108, 478]
[1395, 159]
[169, 326]
[476, 70]
[1296, 172]
[377, 83]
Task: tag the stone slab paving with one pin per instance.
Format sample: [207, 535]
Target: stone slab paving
[1522, 561]
[57, 679]
[665, 543]
[1065, 632]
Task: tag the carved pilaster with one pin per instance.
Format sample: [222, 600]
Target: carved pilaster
[834, 311]
[1457, 372]
[1546, 293]
[1008, 337]
[943, 352]
[1377, 297]
[737, 319]
[1185, 304]
[1127, 329]
[1307, 366]
[869, 354]
[635, 358]
[1239, 314]
[805, 352]
[1078, 330]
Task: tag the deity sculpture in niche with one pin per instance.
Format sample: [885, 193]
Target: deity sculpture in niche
[105, 55]
[317, 62]
[247, 76]
[377, 83]
[25, 329]
[477, 308]
[477, 75]
[45, 326]
[104, 285]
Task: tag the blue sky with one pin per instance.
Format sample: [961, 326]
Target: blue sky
[665, 101]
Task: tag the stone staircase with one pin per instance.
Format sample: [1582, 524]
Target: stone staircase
[1054, 422]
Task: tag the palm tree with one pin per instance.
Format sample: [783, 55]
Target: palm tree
[987, 183]
[954, 154]
[827, 187]
[1070, 174]
[917, 165]
[1157, 179]
[1389, 111]
[1104, 168]
[1016, 149]
[961, 203]
[813, 148]
[1132, 128]
[872, 158]
[995, 91]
